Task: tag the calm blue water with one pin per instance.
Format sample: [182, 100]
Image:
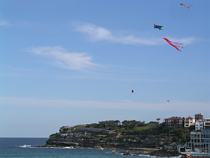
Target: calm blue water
[10, 148]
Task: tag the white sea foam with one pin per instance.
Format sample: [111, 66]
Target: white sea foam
[25, 146]
[68, 147]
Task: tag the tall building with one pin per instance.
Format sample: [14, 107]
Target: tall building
[200, 137]
[200, 141]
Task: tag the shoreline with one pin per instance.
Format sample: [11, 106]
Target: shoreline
[151, 152]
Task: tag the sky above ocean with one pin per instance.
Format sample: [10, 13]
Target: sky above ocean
[66, 62]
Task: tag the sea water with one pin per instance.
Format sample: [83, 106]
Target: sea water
[24, 148]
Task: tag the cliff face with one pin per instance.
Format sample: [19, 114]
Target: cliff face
[125, 135]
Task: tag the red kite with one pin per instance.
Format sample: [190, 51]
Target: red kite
[178, 46]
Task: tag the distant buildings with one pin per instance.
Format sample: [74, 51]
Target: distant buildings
[199, 122]
[200, 136]
[176, 122]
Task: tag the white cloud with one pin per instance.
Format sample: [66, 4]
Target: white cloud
[95, 32]
[4, 23]
[67, 59]
[98, 33]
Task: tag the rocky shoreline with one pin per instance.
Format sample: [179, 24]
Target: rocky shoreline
[130, 152]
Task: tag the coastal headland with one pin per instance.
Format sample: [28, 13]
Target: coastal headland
[129, 137]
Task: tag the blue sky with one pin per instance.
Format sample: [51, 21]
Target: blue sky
[66, 62]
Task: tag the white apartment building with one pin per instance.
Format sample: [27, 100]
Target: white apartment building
[189, 121]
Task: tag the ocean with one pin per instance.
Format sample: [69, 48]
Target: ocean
[23, 148]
